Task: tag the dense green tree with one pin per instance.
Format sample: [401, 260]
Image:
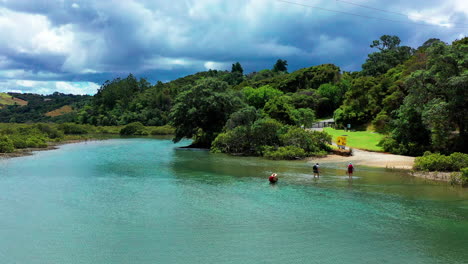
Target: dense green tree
[281, 66]
[236, 67]
[243, 117]
[357, 108]
[282, 109]
[258, 97]
[262, 75]
[201, 111]
[390, 54]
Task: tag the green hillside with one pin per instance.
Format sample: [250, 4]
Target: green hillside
[6, 99]
[28, 108]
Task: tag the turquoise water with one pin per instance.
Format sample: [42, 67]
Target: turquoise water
[145, 201]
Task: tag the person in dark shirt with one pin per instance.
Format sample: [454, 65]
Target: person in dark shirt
[316, 169]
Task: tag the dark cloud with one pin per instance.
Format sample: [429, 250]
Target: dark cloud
[93, 41]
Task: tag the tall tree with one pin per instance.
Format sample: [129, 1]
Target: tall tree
[390, 54]
[281, 66]
[236, 67]
[201, 111]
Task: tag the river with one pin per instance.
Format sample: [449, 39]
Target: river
[145, 200]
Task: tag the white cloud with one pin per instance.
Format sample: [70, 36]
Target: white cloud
[166, 63]
[33, 34]
[48, 87]
[213, 65]
[442, 14]
[88, 38]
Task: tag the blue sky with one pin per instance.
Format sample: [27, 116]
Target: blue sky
[73, 46]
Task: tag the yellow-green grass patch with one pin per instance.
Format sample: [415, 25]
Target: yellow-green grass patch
[366, 140]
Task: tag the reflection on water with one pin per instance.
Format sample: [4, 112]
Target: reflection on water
[146, 201]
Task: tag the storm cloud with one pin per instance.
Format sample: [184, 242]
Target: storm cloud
[74, 46]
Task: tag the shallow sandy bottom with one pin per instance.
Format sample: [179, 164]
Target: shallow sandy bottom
[372, 159]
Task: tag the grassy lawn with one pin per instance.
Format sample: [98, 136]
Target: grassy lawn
[359, 139]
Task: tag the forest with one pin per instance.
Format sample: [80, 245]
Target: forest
[417, 98]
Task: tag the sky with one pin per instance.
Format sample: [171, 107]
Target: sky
[73, 46]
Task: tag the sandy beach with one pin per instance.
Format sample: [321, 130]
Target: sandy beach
[372, 159]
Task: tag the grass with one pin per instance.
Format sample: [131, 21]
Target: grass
[366, 140]
[60, 111]
[6, 99]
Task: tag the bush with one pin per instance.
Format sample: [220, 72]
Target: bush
[163, 130]
[29, 141]
[437, 162]
[286, 153]
[300, 138]
[74, 129]
[234, 141]
[19, 141]
[459, 160]
[6, 145]
[135, 128]
[51, 132]
[460, 177]
[464, 176]
[36, 142]
[266, 131]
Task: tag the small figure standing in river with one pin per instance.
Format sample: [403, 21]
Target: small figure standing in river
[350, 170]
[273, 178]
[316, 169]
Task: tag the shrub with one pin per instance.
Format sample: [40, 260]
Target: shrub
[300, 138]
[163, 130]
[464, 176]
[36, 142]
[19, 141]
[287, 153]
[460, 177]
[233, 141]
[459, 160]
[266, 131]
[6, 145]
[50, 131]
[135, 128]
[437, 162]
[75, 129]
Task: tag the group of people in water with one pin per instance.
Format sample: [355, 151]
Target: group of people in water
[316, 169]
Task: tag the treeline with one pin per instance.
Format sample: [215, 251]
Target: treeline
[417, 97]
[15, 137]
[38, 105]
[203, 105]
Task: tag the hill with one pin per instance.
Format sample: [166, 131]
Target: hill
[66, 109]
[29, 108]
[6, 99]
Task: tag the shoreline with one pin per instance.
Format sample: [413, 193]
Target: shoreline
[359, 158]
[370, 159]
[382, 160]
[50, 146]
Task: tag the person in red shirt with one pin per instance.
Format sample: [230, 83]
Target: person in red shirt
[350, 170]
[273, 178]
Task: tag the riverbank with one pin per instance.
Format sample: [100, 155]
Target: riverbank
[383, 160]
[371, 159]
[51, 146]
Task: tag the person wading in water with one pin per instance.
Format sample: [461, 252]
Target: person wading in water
[350, 170]
[316, 169]
[273, 178]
